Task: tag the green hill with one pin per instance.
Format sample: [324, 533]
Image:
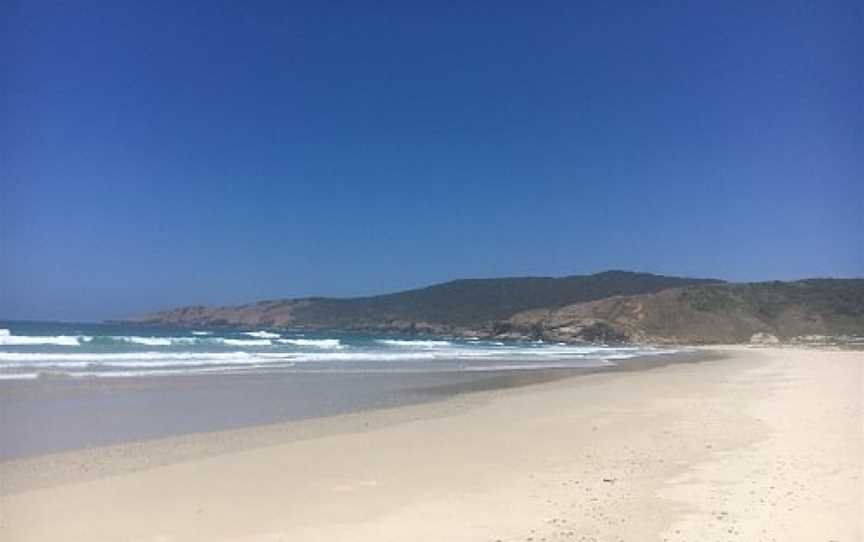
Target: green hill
[476, 301]
[469, 302]
[716, 313]
[609, 306]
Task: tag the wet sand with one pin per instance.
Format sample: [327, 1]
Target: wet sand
[52, 415]
[762, 444]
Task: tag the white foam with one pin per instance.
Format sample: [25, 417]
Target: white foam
[15, 360]
[315, 343]
[19, 376]
[413, 344]
[482, 355]
[31, 357]
[147, 341]
[81, 359]
[262, 334]
[202, 333]
[356, 356]
[246, 342]
[7, 339]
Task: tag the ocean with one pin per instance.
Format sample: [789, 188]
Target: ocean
[30, 350]
[67, 386]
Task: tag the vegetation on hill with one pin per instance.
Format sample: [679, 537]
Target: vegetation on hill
[717, 313]
[478, 301]
[470, 302]
[614, 306]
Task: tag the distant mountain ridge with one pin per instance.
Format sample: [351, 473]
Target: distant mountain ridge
[613, 306]
[459, 303]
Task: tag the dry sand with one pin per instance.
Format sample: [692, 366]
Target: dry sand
[766, 444]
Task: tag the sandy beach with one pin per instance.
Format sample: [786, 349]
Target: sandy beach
[760, 444]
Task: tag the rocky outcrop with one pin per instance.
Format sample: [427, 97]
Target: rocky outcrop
[263, 314]
[764, 339]
[712, 314]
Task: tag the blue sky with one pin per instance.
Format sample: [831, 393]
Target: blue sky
[166, 153]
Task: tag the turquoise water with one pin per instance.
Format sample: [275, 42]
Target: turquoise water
[30, 350]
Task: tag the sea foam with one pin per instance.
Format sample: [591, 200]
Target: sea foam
[414, 344]
[314, 343]
[246, 342]
[73, 354]
[262, 334]
[7, 339]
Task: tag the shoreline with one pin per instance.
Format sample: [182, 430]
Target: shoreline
[757, 442]
[92, 462]
[56, 415]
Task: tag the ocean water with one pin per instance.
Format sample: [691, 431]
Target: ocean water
[70, 386]
[31, 350]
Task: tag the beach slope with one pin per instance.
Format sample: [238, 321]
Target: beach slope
[761, 444]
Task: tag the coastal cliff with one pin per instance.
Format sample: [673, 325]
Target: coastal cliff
[613, 306]
[717, 313]
[459, 304]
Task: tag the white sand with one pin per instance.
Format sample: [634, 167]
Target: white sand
[764, 445]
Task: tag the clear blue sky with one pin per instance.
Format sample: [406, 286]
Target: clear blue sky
[165, 153]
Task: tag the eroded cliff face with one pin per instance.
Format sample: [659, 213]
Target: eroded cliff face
[264, 314]
[706, 314]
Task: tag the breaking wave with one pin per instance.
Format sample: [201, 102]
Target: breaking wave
[246, 342]
[262, 334]
[147, 341]
[414, 344]
[176, 341]
[60, 350]
[7, 339]
[314, 343]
